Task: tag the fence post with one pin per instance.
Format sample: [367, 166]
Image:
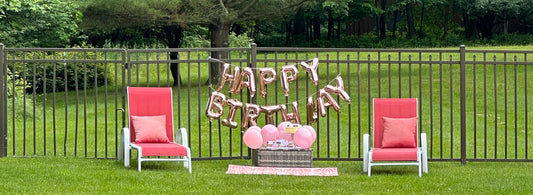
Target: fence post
[463, 104]
[253, 65]
[3, 103]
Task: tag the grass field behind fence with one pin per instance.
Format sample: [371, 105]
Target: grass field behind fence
[90, 127]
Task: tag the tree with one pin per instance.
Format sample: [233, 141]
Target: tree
[480, 15]
[165, 16]
[38, 23]
[220, 15]
[336, 9]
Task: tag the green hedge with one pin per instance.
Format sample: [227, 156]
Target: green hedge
[77, 74]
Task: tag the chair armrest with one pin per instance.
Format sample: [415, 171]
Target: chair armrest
[366, 142]
[181, 137]
[366, 149]
[126, 136]
[423, 141]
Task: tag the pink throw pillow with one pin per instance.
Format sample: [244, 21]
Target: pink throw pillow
[399, 133]
[150, 129]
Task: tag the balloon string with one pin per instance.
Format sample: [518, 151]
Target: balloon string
[221, 61]
[299, 100]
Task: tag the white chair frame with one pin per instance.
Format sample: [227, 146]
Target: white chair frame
[421, 161]
[126, 146]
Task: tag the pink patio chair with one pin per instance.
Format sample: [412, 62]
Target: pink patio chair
[395, 136]
[151, 128]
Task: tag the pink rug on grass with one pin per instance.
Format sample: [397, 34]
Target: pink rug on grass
[238, 169]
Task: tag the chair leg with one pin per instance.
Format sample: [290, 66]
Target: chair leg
[366, 144]
[126, 156]
[420, 164]
[420, 169]
[189, 164]
[121, 148]
[423, 137]
[139, 158]
[424, 163]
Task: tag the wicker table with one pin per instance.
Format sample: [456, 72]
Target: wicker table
[282, 157]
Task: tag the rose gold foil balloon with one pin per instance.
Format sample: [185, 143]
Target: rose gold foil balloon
[311, 69]
[236, 84]
[215, 105]
[226, 77]
[251, 113]
[286, 78]
[339, 89]
[267, 76]
[250, 80]
[329, 103]
[294, 116]
[269, 111]
[233, 106]
[312, 115]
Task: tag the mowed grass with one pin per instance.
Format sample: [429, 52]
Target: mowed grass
[87, 123]
[59, 175]
[82, 130]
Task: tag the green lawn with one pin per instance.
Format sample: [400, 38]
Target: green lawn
[74, 128]
[58, 175]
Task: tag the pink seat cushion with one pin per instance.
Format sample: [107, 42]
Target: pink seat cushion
[394, 154]
[150, 129]
[399, 132]
[162, 149]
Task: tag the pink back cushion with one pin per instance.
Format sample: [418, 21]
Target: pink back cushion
[399, 132]
[392, 108]
[151, 101]
[150, 129]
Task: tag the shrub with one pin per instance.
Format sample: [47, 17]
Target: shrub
[15, 95]
[77, 75]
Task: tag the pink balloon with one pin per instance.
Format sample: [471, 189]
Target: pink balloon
[253, 139]
[281, 131]
[311, 130]
[254, 128]
[303, 138]
[269, 133]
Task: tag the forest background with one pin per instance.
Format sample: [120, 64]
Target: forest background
[279, 23]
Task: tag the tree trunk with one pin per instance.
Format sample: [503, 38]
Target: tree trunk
[219, 38]
[339, 20]
[174, 34]
[316, 28]
[447, 9]
[420, 29]
[288, 32]
[394, 23]
[470, 30]
[376, 2]
[485, 24]
[350, 28]
[410, 20]
[330, 25]
[382, 28]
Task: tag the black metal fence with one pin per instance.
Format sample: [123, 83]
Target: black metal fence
[472, 103]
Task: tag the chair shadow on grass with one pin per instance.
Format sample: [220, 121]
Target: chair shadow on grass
[153, 165]
[394, 170]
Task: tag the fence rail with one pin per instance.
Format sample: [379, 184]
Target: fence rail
[71, 102]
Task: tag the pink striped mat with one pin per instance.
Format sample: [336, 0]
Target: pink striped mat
[238, 169]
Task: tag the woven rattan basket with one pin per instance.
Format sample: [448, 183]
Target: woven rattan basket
[286, 157]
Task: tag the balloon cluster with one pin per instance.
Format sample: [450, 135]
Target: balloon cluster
[256, 137]
[245, 78]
